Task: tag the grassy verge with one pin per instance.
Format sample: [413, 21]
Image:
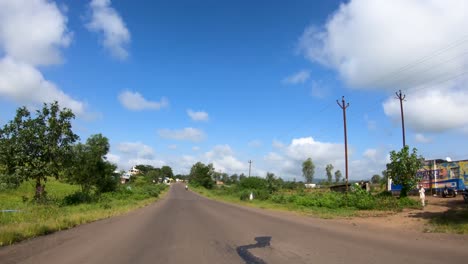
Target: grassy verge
[32, 219]
[289, 202]
[452, 221]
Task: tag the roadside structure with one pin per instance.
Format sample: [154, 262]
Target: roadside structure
[435, 174]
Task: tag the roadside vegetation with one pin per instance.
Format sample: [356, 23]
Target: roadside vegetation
[274, 193]
[49, 181]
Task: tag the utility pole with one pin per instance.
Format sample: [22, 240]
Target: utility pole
[250, 166]
[343, 106]
[401, 98]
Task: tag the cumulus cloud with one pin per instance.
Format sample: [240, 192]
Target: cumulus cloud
[24, 47]
[378, 44]
[198, 115]
[136, 102]
[188, 133]
[434, 110]
[110, 25]
[420, 138]
[136, 149]
[223, 159]
[297, 78]
[287, 162]
[195, 148]
[20, 37]
[24, 84]
[129, 154]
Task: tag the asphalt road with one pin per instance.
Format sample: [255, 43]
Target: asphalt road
[187, 228]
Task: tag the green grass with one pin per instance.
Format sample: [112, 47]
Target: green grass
[452, 221]
[321, 212]
[38, 219]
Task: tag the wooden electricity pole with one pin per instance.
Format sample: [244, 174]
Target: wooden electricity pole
[343, 106]
[401, 97]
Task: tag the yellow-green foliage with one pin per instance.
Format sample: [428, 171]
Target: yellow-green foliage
[34, 219]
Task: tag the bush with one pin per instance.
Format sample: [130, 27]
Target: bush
[77, 198]
[108, 183]
[253, 183]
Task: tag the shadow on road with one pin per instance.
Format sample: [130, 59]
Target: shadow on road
[250, 258]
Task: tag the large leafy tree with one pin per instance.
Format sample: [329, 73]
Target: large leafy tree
[11, 148]
[403, 167]
[41, 145]
[166, 171]
[90, 167]
[201, 174]
[329, 169]
[308, 170]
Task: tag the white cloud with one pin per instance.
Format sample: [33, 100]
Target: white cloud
[255, 143]
[172, 147]
[195, 148]
[364, 41]
[128, 154]
[24, 47]
[287, 161]
[198, 115]
[188, 133]
[297, 78]
[33, 31]
[136, 102]
[24, 84]
[420, 138]
[370, 154]
[136, 149]
[106, 21]
[223, 160]
[434, 110]
[379, 44]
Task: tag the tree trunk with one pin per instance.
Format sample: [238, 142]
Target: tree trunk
[403, 192]
[39, 189]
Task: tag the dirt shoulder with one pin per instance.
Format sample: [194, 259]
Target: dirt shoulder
[411, 220]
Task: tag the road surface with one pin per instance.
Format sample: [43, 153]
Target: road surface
[187, 228]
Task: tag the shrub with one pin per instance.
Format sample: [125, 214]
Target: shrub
[77, 198]
[255, 183]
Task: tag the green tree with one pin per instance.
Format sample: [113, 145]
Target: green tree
[242, 176]
[201, 174]
[329, 169]
[166, 171]
[376, 179]
[42, 144]
[234, 178]
[144, 168]
[403, 167]
[272, 182]
[90, 167]
[338, 176]
[11, 149]
[308, 170]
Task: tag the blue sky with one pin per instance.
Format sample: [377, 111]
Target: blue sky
[176, 82]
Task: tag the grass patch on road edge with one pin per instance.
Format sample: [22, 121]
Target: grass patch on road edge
[321, 212]
[451, 221]
[34, 219]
